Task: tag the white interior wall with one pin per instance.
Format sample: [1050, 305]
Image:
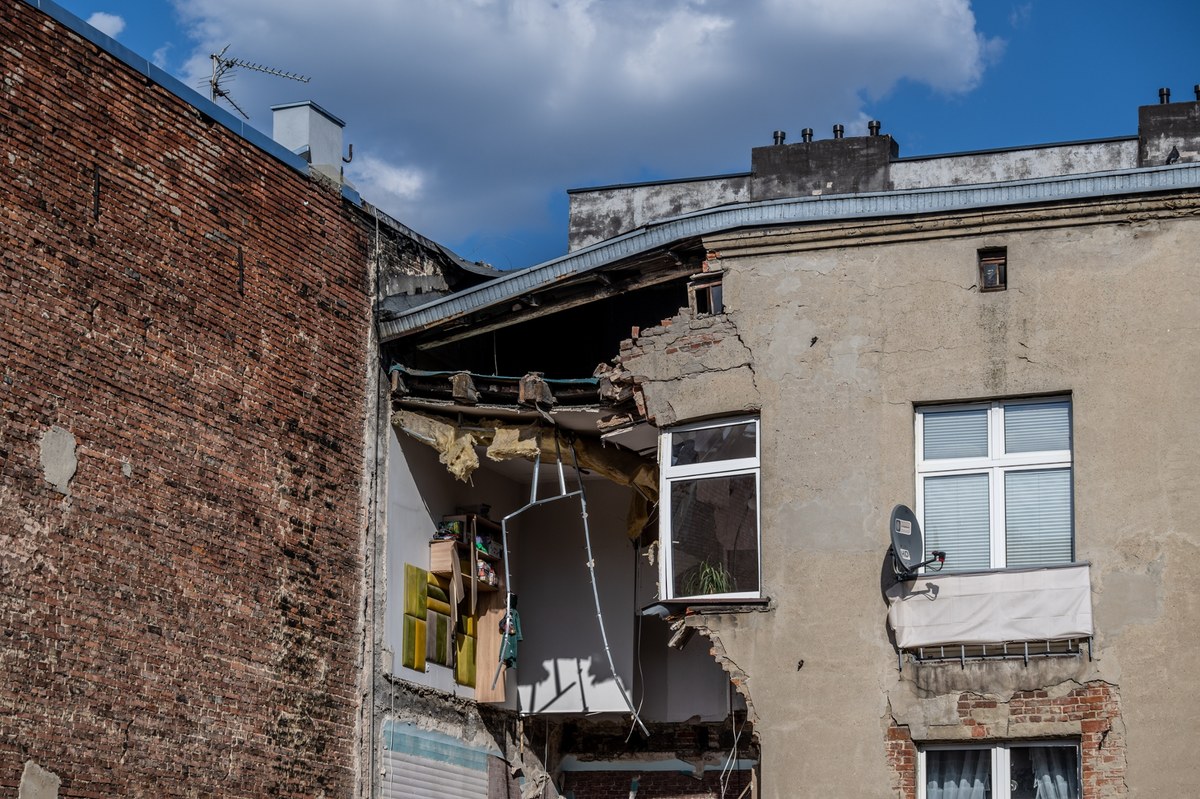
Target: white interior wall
[676, 684]
[419, 492]
[562, 666]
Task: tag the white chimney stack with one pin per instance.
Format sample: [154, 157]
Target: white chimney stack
[311, 132]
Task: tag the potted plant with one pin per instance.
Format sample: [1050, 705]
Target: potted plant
[707, 578]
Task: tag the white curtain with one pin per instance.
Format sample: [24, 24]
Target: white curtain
[958, 774]
[1054, 772]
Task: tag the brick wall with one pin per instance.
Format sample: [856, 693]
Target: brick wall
[184, 620]
[1094, 709]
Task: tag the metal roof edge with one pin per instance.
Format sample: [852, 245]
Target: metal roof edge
[997, 150]
[667, 182]
[157, 75]
[387, 219]
[793, 211]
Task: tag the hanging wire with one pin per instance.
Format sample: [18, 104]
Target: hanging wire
[591, 564]
[731, 762]
[637, 643]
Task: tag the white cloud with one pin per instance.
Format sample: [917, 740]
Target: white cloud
[107, 23]
[394, 188]
[495, 107]
[160, 56]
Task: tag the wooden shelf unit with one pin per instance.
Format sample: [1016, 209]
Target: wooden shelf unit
[483, 601]
[442, 553]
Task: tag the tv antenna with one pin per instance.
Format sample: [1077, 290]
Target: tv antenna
[222, 67]
[908, 544]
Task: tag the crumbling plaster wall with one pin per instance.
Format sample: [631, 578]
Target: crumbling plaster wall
[836, 342]
[689, 367]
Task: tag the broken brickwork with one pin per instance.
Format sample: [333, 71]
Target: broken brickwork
[1092, 711]
[183, 393]
[664, 367]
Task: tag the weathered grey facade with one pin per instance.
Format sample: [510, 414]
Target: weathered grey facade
[827, 317]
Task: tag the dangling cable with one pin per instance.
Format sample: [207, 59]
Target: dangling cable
[731, 761]
[591, 564]
[637, 650]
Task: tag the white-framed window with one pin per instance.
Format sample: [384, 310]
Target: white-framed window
[1010, 770]
[994, 483]
[709, 509]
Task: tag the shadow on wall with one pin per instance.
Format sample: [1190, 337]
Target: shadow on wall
[563, 666]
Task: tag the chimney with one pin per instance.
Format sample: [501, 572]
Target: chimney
[312, 133]
[839, 165]
[1169, 133]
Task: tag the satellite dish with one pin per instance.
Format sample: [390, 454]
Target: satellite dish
[908, 544]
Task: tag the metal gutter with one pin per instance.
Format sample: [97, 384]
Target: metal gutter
[792, 211]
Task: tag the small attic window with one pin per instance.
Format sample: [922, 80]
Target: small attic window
[993, 269]
[704, 294]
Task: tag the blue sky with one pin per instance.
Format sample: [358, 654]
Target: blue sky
[471, 118]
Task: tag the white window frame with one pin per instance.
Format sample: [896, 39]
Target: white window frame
[725, 468]
[995, 465]
[1001, 762]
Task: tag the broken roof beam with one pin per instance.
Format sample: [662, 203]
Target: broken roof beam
[462, 388]
[535, 391]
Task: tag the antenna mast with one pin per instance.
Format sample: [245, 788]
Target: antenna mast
[222, 67]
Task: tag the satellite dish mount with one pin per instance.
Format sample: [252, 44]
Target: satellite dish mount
[908, 544]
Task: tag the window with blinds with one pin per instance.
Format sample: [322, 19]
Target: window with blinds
[994, 483]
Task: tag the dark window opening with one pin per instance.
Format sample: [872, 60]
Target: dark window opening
[993, 269]
[704, 294]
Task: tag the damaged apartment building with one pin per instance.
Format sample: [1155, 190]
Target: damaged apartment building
[294, 501]
[678, 453]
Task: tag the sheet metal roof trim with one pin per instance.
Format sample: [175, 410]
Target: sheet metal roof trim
[171, 84]
[793, 211]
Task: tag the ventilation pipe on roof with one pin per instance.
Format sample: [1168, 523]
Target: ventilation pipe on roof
[873, 127]
[1164, 96]
[779, 137]
[838, 131]
[806, 135]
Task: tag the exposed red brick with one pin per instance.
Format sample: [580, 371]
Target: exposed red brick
[186, 622]
[1096, 706]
